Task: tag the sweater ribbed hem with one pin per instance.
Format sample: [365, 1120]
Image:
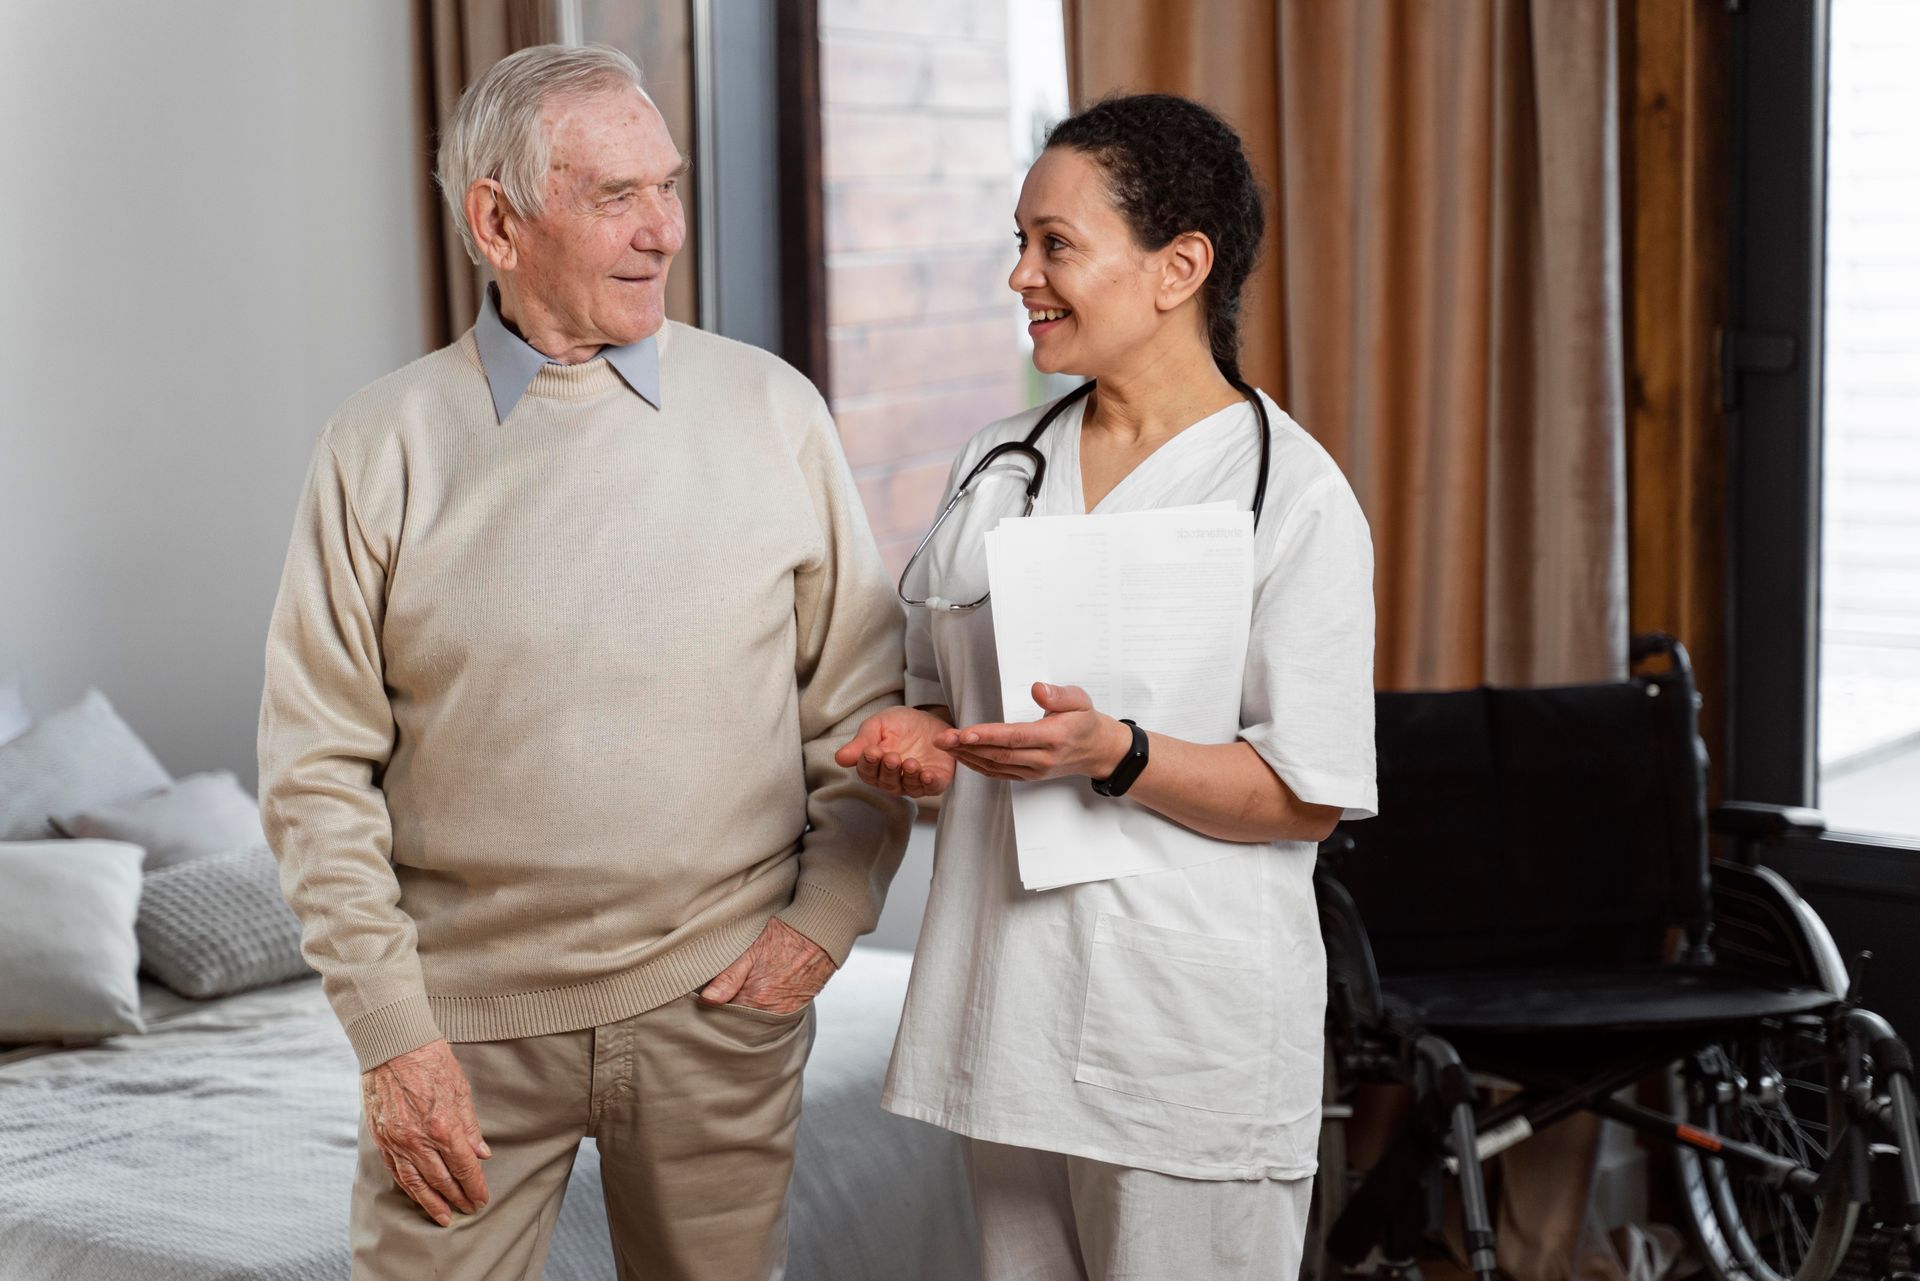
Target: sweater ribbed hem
[826, 920]
[666, 977]
[391, 1031]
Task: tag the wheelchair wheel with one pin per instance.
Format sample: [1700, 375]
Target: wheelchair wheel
[1777, 1088]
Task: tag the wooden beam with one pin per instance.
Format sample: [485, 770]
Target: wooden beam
[1674, 172]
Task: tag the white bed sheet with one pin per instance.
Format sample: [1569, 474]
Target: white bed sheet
[220, 1146]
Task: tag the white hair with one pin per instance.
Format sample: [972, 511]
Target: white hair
[496, 131]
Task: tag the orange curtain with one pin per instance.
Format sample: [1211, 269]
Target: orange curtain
[1439, 301]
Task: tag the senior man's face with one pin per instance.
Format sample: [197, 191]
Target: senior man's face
[595, 261]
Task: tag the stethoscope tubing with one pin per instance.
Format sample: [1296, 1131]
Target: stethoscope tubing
[1030, 447]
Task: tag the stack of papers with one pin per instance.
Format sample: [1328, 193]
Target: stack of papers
[1149, 613]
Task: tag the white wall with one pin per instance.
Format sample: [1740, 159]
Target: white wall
[209, 236]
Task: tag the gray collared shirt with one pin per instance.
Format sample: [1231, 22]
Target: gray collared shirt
[511, 362]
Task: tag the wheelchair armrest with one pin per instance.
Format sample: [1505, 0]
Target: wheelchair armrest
[1751, 824]
[1758, 821]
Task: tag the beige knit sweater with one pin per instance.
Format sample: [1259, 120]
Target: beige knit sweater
[550, 705]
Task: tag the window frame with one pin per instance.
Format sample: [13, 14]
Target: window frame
[756, 142]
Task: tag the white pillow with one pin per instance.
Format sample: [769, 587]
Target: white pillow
[67, 944]
[13, 710]
[200, 815]
[78, 757]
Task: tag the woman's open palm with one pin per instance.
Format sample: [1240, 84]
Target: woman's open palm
[894, 752]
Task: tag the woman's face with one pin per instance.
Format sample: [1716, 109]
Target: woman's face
[1079, 257]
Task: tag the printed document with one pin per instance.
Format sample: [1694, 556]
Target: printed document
[1149, 613]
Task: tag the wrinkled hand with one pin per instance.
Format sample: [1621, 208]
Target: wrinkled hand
[1072, 739]
[420, 1114]
[895, 752]
[780, 972]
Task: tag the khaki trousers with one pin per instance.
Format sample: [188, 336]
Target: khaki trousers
[694, 1110]
[1045, 1216]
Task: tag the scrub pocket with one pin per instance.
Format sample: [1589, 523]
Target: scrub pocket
[1178, 1017]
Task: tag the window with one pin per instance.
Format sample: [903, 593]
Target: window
[1869, 638]
[928, 116]
[1823, 388]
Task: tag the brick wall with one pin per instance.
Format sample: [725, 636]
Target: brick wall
[922, 331]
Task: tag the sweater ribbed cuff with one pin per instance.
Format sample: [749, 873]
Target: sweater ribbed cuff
[392, 1030]
[825, 919]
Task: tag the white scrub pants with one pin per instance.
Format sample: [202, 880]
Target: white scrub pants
[1045, 1216]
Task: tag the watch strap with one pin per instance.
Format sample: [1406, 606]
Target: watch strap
[1117, 783]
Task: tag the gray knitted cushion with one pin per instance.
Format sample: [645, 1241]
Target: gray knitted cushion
[218, 925]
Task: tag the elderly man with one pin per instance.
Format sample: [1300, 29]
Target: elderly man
[575, 614]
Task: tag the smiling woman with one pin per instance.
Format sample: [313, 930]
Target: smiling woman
[1113, 1099]
[1168, 196]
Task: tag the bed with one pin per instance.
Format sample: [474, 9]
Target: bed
[220, 1147]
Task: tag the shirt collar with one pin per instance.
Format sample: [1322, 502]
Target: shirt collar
[511, 363]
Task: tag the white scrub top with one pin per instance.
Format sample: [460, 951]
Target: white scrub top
[1169, 1021]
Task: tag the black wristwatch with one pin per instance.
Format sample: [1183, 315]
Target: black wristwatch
[1117, 783]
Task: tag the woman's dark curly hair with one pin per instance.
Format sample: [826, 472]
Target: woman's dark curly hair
[1172, 167]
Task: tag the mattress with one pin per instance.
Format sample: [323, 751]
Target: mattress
[220, 1146]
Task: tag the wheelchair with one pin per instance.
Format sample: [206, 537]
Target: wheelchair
[1532, 927]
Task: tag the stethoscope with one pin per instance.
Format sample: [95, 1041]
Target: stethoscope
[1029, 448]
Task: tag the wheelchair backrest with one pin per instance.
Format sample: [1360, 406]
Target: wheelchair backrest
[1560, 828]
